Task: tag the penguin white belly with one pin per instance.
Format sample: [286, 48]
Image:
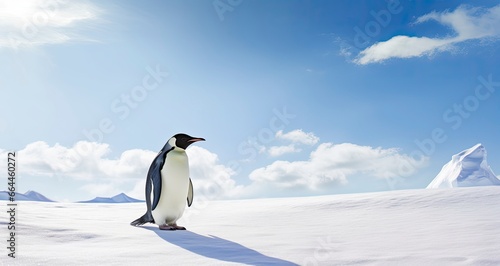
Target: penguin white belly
[174, 188]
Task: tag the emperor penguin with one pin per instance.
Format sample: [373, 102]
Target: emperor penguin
[168, 177]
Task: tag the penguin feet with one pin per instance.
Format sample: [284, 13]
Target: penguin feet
[172, 227]
[180, 227]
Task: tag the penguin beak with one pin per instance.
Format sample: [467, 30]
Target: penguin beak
[196, 139]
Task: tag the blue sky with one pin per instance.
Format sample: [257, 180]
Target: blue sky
[295, 98]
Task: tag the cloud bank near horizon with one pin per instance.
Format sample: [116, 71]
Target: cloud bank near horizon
[328, 165]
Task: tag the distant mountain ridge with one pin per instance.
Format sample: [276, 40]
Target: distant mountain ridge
[120, 198]
[30, 195]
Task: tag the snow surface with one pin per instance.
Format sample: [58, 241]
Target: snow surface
[414, 227]
[466, 169]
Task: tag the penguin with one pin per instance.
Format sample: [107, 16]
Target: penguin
[168, 177]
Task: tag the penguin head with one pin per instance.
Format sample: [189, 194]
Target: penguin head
[182, 140]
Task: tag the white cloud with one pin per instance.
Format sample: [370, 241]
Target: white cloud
[84, 161]
[211, 180]
[31, 23]
[138, 191]
[102, 189]
[298, 136]
[333, 164]
[89, 162]
[276, 151]
[467, 23]
[328, 165]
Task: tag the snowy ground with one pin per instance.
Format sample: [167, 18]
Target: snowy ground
[458, 226]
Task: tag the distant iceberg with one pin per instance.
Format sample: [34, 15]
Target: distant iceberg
[468, 168]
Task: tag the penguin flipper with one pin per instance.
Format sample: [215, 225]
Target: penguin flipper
[156, 180]
[154, 175]
[190, 193]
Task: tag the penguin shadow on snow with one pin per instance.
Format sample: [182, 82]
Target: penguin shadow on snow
[217, 248]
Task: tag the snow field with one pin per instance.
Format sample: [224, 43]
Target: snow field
[458, 226]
